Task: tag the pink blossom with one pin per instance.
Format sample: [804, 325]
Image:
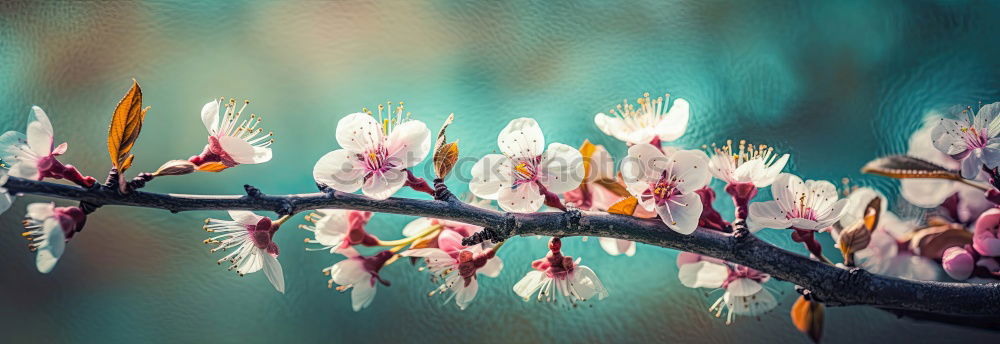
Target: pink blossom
[33, 156]
[251, 236]
[48, 228]
[458, 266]
[667, 184]
[558, 278]
[359, 274]
[231, 141]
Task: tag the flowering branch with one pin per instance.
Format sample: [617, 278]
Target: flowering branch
[832, 285]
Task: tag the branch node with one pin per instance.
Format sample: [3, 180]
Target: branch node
[495, 234]
[441, 192]
[252, 191]
[88, 207]
[740, 230]
[573, 217]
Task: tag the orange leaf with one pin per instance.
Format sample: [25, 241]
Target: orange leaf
[808, 318]
[872, 213]
[625, 206]
[445, 153]
[587, 150]
[126, 123]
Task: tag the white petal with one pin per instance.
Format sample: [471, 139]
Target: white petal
[614, 126]
[702, 275]
[241, 151]
[41, 211]
[767, 215]
[683, 215]
[416, 226]
[522, 138]
[409, 144]
[492, 267]
[52, 246]
[527, 286]
[522, 199]
[616, 247]
[331, 229]
[245, 217]
[675, 122]
[690, 168]
[643, 165]
[947, 138]
[5, 200]
[359, 132]
[39, 140]
[362, 295]
[588, 284]
[743, 287]
[489, 175]
[926, 193]
[385, 184]
[10, 146]
[465, 294]
[751, 305]
[349, 271]
[40, 134]
[210, 116]
[45, 261]
[602, 166]
[27, 169]
[273, 271]
[772, 172]
[971, 165]
[340, 170]
[786, 190]
[561, 168]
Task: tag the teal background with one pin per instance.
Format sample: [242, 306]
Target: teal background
[833, 83]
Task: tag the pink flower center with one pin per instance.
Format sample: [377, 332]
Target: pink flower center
[663, 190]
[742, 272]
[377, 161]
[261, 234]
[526, 170]
[975, 137]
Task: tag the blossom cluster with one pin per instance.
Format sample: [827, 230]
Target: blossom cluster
[654, 179]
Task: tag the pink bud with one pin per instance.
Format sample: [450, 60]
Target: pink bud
[985, 240]
[958, 263]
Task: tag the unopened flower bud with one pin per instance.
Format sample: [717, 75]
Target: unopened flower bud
[175, 168]
[958, 263]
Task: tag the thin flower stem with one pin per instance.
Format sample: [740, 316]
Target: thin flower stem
[409, 240]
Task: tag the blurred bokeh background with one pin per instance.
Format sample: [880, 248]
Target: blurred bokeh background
[833, 83]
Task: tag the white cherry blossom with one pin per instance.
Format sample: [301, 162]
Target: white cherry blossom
[648, 121]
[375, 152]
[971, 139]
[745, 294]
[666, 184]
[232, 139]
[250, 237]
[810, 205]
[747, 163]
[520, 178]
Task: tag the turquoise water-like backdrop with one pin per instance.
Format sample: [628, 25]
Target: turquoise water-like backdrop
[834, 84]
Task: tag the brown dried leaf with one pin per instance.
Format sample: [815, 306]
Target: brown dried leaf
[873, 212]
[625, 206]
[931, 242]
[445, 154]
[126, 123]
[904, 166]
[587, 150]
[614, 186]
[857, 237]
[808, 318]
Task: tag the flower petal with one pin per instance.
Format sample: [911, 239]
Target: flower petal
[530, 283]
[385, 184]
[561, 168]
[690, 168]
[674, 123]
[489, 175]
[466, 293]
[273, 271]
[409, 144]
[525, 198]
[340, 170]
[362, 295]
[359, 132]
[241, 151]
[40, 133]
[492, 268]
[743, 287]
[586, 278]
[616, 247]
[210, 116]
[643, 166]
[681, 213]
[522, 138]
[947, 137]
[767, 215]
[416, 226]
[244, 217]
[702, 275]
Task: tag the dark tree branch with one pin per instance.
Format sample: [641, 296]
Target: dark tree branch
[831, 285]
